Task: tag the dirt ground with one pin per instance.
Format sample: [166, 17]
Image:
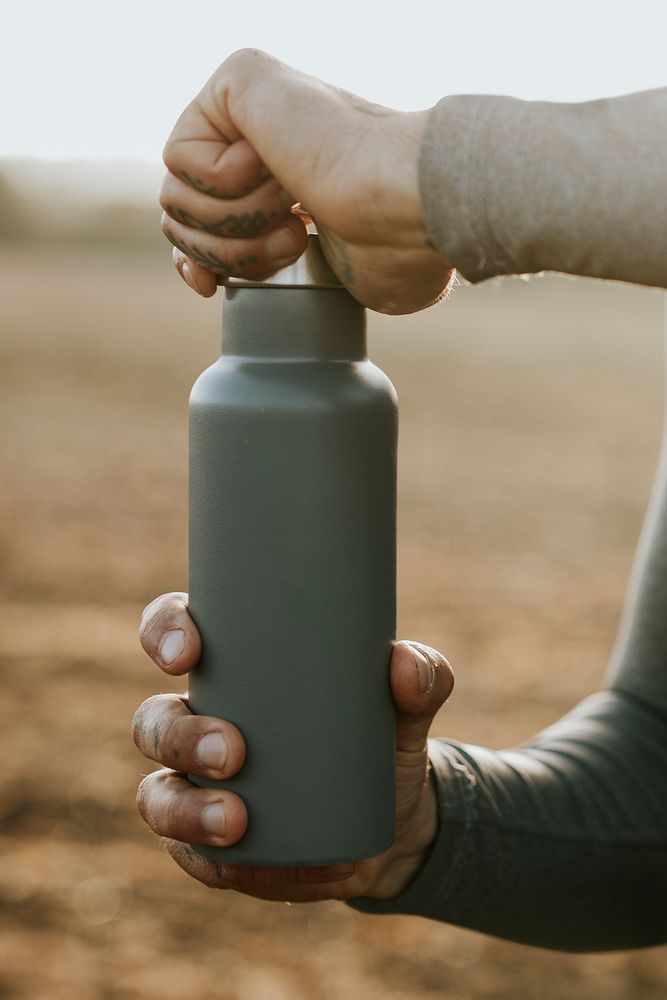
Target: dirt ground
[530, 423]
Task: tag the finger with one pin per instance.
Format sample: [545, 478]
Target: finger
[165, 730]
[209, 153]
[169, 635]
[248, 258]
[242, 218]
[174, 808]
[295, 884]
[205, 282]
[202, 281]
[421, 682]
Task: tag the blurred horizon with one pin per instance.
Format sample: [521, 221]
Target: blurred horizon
[81, 202]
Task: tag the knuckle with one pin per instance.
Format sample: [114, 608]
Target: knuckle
[156, 800]
[144, 795]
[169, 154]
[165, 749]
[244, 56]
[171, 185]
[155, 607]
[153, 704]
[151, 728]
[147, 641]
[167, 190]
[175, 815]
[147, 613]
[147, 719]
[158, 616]
[138, 725]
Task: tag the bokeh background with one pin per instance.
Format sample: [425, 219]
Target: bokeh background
[530, 427]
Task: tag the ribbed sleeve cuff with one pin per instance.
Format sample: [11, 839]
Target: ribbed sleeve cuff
[452, 179]
[517, 187]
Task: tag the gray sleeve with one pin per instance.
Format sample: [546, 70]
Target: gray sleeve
[513, 187]
[560, 842]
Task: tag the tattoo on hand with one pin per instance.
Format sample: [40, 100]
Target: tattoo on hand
[336, 252]
[211, 190]
[211, 260]
[197, 183]
[245, 224]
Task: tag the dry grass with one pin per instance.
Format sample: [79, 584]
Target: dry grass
[530, 427]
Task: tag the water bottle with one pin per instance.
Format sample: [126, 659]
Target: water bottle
[292, 576]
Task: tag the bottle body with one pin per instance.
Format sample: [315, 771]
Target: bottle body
[292, 575]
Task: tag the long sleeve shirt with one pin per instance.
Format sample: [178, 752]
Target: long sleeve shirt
[560, 842]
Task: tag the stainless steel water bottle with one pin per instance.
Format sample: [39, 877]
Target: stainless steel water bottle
[293, 437]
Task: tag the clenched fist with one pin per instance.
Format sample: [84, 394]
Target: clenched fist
[261, 138]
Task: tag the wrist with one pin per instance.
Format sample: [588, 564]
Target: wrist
[413, 846]
[397, 195]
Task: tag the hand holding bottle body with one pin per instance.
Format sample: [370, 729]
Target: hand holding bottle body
[166, 731]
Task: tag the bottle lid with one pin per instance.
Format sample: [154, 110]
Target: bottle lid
[311, 270]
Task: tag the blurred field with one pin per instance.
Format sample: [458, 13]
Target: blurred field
[531, 419]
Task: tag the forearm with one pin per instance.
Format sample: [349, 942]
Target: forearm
[561, 843]
[512, 187]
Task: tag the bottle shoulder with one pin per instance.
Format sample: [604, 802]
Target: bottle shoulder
[234, 381]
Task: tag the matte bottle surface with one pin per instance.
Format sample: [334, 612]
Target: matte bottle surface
[292, 573]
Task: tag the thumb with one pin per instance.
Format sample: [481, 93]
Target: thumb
[421, 682]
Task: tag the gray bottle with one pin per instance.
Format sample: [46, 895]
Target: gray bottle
[293, 437]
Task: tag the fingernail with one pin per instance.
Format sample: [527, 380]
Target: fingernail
[425, 671]
[172, 646]
[188, 277]
[282, 243]
[212, 751]
[213, 819]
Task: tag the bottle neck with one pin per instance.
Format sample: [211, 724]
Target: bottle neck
[315, 324]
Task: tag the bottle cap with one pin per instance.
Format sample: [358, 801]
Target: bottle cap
[309, 271]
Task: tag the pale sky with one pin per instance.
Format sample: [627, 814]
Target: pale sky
[97, 80]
